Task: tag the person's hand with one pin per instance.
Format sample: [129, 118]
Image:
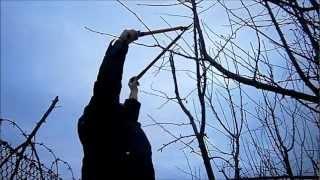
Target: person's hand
[133, 84]
[129, 35]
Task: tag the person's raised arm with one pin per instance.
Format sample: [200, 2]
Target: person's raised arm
[108, 85]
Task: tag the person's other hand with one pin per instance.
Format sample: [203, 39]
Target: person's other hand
[133, 84]
[129, 35]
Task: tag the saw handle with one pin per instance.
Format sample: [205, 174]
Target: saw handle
[144, 33]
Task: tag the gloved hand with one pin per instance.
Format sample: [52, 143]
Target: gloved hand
[129, 35]
[133, 84]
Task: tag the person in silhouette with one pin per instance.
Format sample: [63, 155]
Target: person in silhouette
[114, 145]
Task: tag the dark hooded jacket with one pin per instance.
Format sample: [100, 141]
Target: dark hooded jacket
[114, 145]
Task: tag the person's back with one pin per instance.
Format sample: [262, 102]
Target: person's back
[114, 144]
